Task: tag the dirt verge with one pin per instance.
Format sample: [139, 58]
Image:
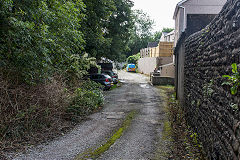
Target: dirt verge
[182, 142]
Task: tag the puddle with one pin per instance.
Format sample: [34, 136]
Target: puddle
[144, 85]
[122, 81]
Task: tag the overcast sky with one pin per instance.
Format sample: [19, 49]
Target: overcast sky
[161, 11]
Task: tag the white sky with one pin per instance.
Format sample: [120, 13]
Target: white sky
[161, 11]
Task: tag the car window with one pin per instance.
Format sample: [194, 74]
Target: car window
[107, 76]
[109, 73]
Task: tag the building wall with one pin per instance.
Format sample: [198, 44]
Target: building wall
[167, 37]
[211, 7]
[168, 70]
[196, 22]
[179, 25]
[198, 15]
[165, 60]
[204, 6]
[211, 110]
[180, 73]
[148, 64]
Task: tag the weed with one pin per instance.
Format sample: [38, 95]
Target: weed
[233, 80]
[93, 154]
[185, 144]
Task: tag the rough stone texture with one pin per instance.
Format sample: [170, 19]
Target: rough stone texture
[209, 55]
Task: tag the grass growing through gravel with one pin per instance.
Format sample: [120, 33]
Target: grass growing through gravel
[114, 86]
[93, 154]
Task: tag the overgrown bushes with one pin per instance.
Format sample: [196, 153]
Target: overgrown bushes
[43, 61]
[85, 100]
[39, 38]
[30, 114]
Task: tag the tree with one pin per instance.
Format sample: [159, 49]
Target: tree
[156, 36]
[133, 59]
[94, 26]
[167, 30]
[41, 38]
[141, 34]
[118, 29]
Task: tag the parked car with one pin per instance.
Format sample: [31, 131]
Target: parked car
[131, 68]
[113, 75]
[103, 79]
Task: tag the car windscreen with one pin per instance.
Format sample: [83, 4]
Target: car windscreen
[106, 76]
[131, 66]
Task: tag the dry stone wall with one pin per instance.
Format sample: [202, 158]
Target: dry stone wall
[210, 108]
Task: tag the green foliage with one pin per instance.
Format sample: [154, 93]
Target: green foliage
[233, 80]
[107, 28]
[46, 48]
[119, 29]
[94, 154]
[167, 30]
[97, 17]
[86, 99]
[133, 59]
[141, 33]
[157, 36]
[40, 37]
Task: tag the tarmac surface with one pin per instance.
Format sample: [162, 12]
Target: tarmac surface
[139, 141]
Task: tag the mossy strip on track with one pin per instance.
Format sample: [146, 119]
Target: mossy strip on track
[93, 154]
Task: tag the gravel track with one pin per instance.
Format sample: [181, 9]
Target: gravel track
[139, 141]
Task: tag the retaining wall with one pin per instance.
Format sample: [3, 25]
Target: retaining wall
[210, 108]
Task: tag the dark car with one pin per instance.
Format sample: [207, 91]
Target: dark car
[113, 75]
[103, 79]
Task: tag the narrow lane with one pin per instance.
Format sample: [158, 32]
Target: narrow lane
[139, 141]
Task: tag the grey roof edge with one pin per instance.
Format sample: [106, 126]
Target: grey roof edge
[177, 7]
[152, 44]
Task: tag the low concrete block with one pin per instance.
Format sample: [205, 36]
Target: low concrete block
[157, 80]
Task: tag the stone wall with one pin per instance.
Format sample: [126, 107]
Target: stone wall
[210, 108]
